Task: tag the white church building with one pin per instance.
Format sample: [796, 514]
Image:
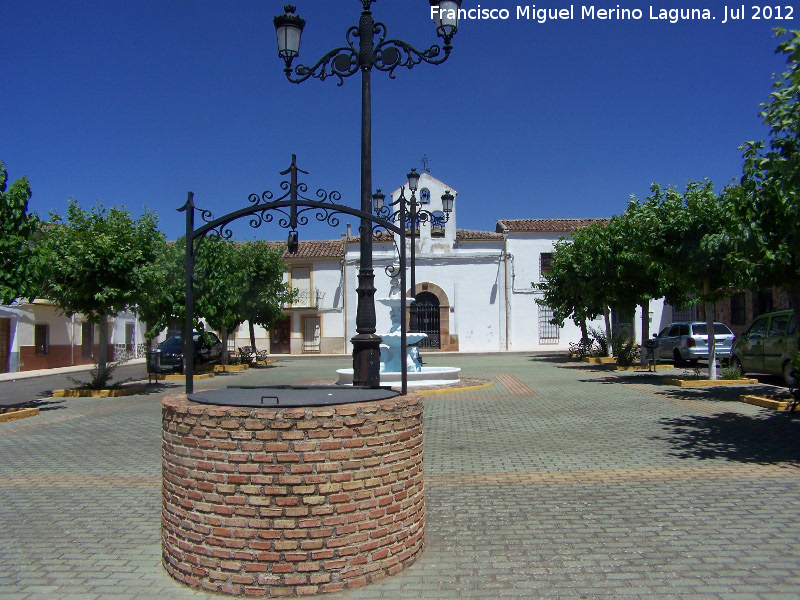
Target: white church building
[474, 289]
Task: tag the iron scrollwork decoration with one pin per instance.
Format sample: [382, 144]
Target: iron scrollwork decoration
[293, 206]
[411, 216]
[385, 55]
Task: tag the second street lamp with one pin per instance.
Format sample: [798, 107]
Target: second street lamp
[410, 212]
[367, 47]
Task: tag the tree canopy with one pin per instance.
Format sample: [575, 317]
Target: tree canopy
[98, 263]
[17, 228]
[234, 282]
[768, 204]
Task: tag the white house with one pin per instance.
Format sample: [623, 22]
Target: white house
[37, 335]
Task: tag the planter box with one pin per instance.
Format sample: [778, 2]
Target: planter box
[177, 377]
[640, 367]
[599, 360]
[707, 382]
[13, 413]
[772, 402]
[221, 368]
[126, 391]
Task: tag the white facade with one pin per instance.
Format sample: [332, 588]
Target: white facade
[481, 280]
[37, 335]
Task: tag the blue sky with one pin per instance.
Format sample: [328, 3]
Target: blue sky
[136, 103]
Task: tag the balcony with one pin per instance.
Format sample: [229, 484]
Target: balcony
[307, 299]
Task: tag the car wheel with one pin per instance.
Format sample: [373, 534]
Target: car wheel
[737, 364]
[788, 378]
[677, 358]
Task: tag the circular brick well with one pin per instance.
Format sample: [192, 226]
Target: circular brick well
[291, 501]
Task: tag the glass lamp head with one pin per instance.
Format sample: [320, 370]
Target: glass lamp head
[447, 202]
[288, 28]
[413, 180]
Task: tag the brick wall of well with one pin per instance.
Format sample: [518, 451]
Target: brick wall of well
[291, 501]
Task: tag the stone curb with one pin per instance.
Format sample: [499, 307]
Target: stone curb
[20, 413]
[771, 402]
[707, 382]
[72, 393]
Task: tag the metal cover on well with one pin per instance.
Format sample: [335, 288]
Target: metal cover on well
[288, 396]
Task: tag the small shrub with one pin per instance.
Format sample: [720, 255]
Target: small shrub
[600, 342]
[627, 352]
[99, 381]
[582, 348]
[731, 372]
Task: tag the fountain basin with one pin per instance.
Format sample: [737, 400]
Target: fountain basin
[427, 376]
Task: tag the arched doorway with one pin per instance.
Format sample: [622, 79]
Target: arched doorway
[428, 319]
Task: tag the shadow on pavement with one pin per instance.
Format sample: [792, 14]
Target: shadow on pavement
[49, 404]
[740, 438]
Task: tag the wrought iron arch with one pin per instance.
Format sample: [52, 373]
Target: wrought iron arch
[295, 209]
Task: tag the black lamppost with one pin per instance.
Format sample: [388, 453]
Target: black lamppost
[410, 212]
[362, 55]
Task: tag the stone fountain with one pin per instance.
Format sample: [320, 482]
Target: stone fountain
[393, 361]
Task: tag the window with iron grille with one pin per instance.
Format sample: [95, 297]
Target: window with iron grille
[41, 339]
[548, 333]
[686, 313]
[763, 303]
[738, 310]
[544, 264]
[311, 335]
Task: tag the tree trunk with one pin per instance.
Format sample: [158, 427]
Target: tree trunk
[712, 346]
[252, 340]
[645, 332]
[102, 346]
[607, 318]
[223, 332]
[584, 332]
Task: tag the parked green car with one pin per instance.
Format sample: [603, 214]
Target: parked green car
[768, 345]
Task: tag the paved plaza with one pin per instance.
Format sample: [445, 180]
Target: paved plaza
[560, 480]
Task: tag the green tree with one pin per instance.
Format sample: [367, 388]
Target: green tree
[221, 282]
[98, 263]
[263, 267]
[17, 228]
[698, 248]
[641, 275]
[234, 282]
[768, 203]
[164, 297]
[575, 288]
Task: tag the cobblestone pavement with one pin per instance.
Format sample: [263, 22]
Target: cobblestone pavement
[561, 480]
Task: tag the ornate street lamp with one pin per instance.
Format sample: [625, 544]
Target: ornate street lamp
[367, 47]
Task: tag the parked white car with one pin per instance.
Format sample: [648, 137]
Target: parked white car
[687, 342]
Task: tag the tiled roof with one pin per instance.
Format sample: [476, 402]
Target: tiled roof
[545, 225]
[313, 249]
[472, 234]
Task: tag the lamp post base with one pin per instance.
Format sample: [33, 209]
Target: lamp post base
[367, 360]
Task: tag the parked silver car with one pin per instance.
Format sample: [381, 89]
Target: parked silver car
[687, 342]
